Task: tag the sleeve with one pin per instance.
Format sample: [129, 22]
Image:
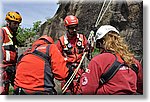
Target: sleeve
[1, 42]
[59, 46]
[90, 80]
[139, 77]
[58, 63]
[85, 41]
[1, 37]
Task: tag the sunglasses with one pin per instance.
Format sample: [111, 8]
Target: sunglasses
[72, 27]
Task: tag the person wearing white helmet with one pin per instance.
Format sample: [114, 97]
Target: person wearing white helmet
[114, 70]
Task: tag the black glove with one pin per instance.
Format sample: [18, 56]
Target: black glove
[11, 71]
[70, 72]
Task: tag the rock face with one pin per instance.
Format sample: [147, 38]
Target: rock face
[127, 16]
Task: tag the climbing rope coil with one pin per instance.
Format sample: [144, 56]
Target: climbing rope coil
[90, 39]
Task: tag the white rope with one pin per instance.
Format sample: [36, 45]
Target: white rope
[73, 75]
[100, 14]
[98, 21]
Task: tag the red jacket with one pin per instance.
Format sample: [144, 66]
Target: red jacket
[123, 82]
[9, 49]
[33, 73]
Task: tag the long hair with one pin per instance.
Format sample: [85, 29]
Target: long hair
[116, 44]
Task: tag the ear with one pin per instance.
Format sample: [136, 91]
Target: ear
[7, 23]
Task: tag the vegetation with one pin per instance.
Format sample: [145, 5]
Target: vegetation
[25, 33]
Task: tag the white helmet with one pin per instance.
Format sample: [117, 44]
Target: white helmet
[103, 30]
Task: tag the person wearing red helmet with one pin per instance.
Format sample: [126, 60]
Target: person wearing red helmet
[72, 46]
[8, 50]
[38, 66]
[114, 71]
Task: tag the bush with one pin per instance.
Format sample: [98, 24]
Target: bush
[25, 33]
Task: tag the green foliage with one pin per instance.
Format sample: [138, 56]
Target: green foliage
[25, 33]
[95, 52]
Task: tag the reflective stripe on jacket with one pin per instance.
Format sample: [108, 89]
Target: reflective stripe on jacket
[9, 49]
[72, 49]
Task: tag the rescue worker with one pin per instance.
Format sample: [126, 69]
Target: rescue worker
[128, 78]
[72, 46]
[37, 67]
[8, 49]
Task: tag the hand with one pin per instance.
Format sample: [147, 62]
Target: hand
[87, 48]
[95, 30]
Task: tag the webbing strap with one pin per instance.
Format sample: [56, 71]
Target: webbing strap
[134, 68]
[110, 72]
[42, 55]
[113, 70]
[10, 48]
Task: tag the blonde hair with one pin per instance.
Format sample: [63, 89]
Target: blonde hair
[115, 43]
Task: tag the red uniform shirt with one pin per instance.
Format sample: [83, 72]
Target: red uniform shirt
[123, 82]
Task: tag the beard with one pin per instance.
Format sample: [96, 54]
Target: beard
[14, 29]
[72, 34]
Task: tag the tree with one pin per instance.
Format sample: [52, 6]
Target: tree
[24, 33]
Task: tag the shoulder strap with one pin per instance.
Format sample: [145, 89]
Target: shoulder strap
[8, 32]
[135, 68]
[40, 54]
[22, 55]
[113, 70]
[110, 72]
[60, 42]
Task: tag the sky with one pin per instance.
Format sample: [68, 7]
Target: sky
[30, 10]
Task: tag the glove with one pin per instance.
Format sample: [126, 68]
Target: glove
[95, 30]
[11, 71]
[87, 48]
[70, 72]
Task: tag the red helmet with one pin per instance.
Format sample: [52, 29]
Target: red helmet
[70, 20]
[43, 40]
[47, 39]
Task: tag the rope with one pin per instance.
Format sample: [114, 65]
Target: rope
[73, 75]
[98, 20]
[100, 14]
